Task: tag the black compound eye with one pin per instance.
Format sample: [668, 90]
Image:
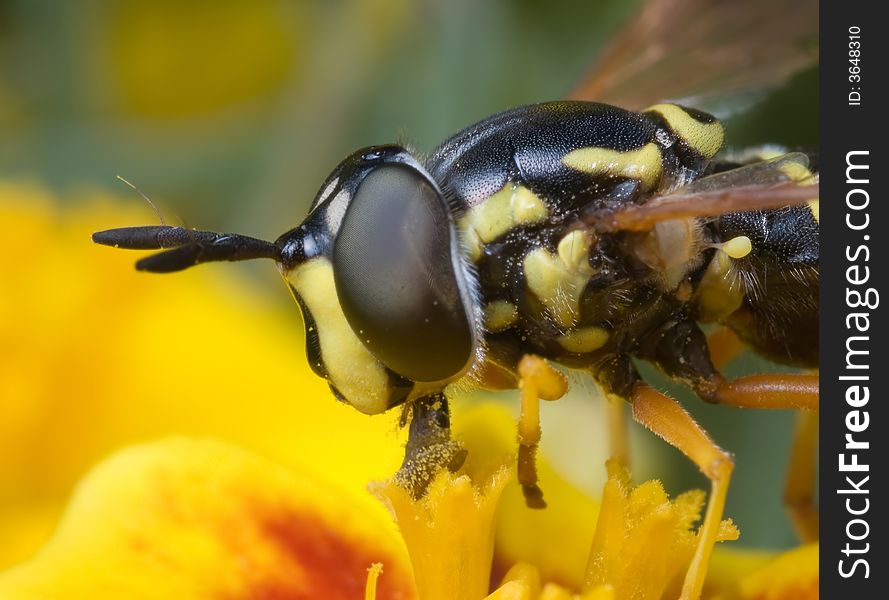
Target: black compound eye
[397, 279]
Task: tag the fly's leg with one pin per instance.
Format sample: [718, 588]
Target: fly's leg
[724, 345]
[777, 391]
[429, 445]
[799, 491]
[616, 378]
[667, 419]
[537, 381]
[682, 351]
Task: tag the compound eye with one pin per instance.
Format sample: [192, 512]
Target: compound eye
[397, 276]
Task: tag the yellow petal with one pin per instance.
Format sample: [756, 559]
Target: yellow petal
[527, 575]
[97, 356]
[511, 590]
[792, 575]
[449, 532]
[623, 555]
[202, 519]
[602, 592]
[555, 540]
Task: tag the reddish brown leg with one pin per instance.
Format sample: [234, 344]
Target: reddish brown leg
[798, 391]
[666, 418]
[779, 390]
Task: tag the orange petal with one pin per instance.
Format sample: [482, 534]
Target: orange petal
[202, 519]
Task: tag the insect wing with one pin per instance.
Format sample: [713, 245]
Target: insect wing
[790, 167]
[780, 182]
[703, 52]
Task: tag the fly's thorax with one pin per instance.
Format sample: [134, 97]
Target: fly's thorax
[553, 291]
[377, 268]
[385, 267]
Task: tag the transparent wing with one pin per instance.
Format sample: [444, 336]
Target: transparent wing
[791, 167]
[780, 182]
[699, 51]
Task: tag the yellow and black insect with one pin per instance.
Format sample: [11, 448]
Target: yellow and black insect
[573, 232]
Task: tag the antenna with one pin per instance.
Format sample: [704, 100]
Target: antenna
[157, 211]
[185, 247]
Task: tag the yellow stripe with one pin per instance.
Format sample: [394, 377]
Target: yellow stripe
[500, 314]
[796, 172]
[800, 174]
[356, 373]
[584, 340]
[643, 164]
[738, 247]
[813, 206]
[720, 292]
[512, 206]
[558, 280]
[706, 138]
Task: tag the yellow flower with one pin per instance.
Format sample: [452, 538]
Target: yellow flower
[95, 357]
[171, 59]
[450, 531]
[202, 519]
[792, 575]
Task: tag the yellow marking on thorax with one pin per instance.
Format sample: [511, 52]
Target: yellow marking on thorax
[800, 174]
[671, 249]
[558, 280]
[500, 314]
[768, 153]
[813, 206]
[643, 164]
[721, 290]
[512, 206]
[586, 339]
[705, 138]
[797, 172]
[356, 373]
[738, 247]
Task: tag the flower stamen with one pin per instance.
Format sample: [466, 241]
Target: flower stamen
[370, 587]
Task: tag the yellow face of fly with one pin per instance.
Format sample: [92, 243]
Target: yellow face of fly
[352, 369]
